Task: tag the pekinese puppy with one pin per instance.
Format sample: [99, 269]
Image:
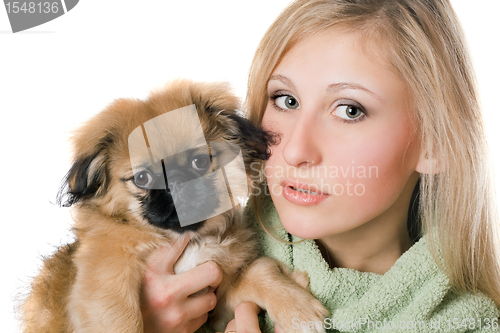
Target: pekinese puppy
[145, 172]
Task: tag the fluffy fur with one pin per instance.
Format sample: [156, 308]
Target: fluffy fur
[93, 284]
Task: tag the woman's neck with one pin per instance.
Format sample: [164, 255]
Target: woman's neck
[371, 247]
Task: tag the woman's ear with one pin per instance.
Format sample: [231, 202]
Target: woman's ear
[428, 165]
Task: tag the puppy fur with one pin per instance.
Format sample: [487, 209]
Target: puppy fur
[93, 284]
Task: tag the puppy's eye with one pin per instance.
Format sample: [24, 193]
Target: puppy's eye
[201, 162]
[143, 179]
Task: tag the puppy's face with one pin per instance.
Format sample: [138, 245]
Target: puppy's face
[163, 190]
[170, 163]
[179, 177]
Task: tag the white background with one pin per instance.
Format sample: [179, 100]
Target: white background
[57, 75]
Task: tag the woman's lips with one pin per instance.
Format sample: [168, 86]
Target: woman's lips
[301, 193]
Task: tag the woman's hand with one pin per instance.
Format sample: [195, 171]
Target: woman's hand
[166, 303]
[246, 320]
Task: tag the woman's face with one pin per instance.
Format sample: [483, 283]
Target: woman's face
[348, 148]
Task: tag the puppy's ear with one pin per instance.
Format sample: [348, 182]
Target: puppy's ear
[254, 142]
[87, 177]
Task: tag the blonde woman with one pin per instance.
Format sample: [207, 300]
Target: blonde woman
[379, 186]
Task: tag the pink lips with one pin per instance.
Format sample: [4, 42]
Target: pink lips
[302, 194]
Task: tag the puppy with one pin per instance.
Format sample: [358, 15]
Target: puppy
[145, 172]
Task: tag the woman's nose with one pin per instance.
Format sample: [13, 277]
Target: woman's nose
[302, 147]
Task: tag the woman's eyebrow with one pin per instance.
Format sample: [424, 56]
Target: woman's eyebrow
[332, 88]
[283, 79]
[336, 87]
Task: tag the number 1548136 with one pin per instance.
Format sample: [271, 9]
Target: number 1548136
[27, 7]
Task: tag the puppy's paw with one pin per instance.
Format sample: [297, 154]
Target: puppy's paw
[299, 312]
[301, 278]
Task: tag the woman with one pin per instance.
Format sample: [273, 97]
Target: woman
[381, 167]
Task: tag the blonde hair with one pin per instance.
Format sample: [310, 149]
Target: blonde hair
[425, 46]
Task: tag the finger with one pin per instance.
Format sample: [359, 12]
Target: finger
[206, 275]
[231, 326]
[246, 318]
[195, 324]
[278, 329]
[163, 260]
[199, 305]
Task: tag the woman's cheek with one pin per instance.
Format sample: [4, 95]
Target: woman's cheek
[383, 173]
[273, 171]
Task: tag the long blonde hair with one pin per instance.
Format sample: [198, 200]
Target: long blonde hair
[426, 47]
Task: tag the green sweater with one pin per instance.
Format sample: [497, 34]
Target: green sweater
[413, 296]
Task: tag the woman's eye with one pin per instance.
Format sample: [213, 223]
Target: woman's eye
[287, 102]
[201, 162]
[143, 179]
[349, 112]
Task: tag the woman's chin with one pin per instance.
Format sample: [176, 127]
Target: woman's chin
[304, 228]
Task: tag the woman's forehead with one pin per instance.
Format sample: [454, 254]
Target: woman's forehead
[339, 57]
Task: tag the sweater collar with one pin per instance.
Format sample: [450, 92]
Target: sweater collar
[351, 295]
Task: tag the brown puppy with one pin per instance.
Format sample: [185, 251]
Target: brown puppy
[127, 188]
